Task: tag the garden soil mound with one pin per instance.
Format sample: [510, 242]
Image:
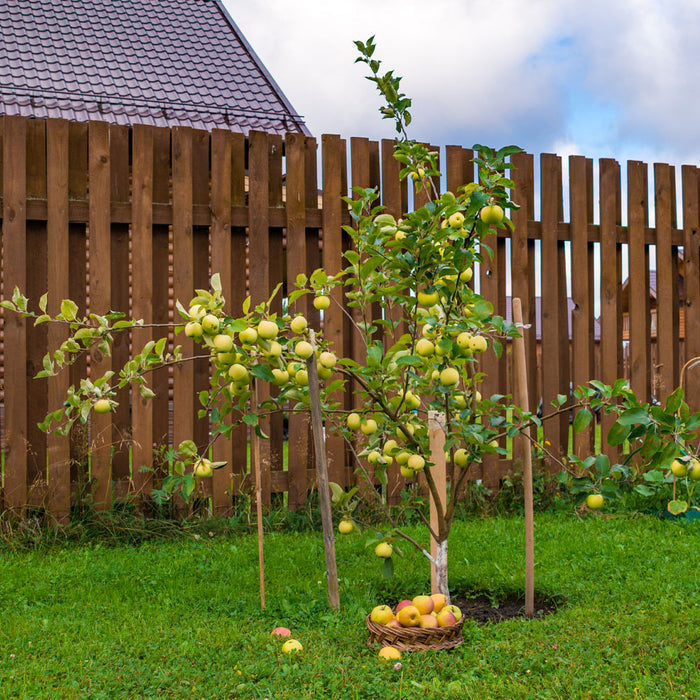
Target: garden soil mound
[482, 609]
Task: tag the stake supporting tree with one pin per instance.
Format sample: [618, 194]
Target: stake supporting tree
[324, 493]
[439, 471]
[522, 400]
[258, 502]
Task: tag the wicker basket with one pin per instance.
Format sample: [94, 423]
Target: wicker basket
[415, 638]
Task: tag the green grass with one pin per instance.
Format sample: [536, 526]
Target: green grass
[181, 618]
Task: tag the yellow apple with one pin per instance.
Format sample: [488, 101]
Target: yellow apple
[281, 376]
[424, 603]
[415, 462]
[466, 275]
[694, 469]
[223, 342]
[439, 602]
[369, 427]
[302, 377]
[238, 373]
[491, 214]
[267, 329]
[384, 550]
[407, 472]
[389, 654]
[461, 457]
[446, 618]
[248, 336]
[322, 302]
[409, 616]
[354, 421]
[210, 324]
[679, 468]
[193, 329]
[381, 614]
[292, 646]
[428, 298]
[303, 349]
[449, 376]
[456, 220]
[346, 526]
[455, 610]
[425, 347]
[327, 359]
[203, 468]
[595, 501]
[298, 324]
[478, 343]
[101, 406]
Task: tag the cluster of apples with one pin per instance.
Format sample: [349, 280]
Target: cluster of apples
[423, 611]
[290, 646]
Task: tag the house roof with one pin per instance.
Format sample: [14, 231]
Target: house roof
[159, 62]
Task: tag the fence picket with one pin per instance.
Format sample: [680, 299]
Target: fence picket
[15, 334]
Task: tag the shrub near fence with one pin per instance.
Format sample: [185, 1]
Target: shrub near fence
[132, 218]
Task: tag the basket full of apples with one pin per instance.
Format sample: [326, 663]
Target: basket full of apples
[426, 622]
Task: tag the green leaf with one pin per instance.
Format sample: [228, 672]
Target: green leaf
[8, 305]
[673, 402]
[262, 372]
[43, 300]
[388, 568]
[634, 415]
[146, 392]
[602, 465]
[187, 448]
[246, 305]
[69, 309]
[582, 420]
[336, 490]
[188, 484]
[216, 282]
[677, 507]
[617, 434]
[250, 419]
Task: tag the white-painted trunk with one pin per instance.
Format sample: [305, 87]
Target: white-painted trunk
[441, 569]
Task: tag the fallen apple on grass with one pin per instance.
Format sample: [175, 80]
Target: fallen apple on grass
[281, 632]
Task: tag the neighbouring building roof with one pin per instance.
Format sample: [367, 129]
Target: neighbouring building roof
[159, 62]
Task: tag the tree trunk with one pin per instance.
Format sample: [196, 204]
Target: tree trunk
[441, 568]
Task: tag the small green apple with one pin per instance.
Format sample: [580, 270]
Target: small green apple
[322, 302]
[210, 324]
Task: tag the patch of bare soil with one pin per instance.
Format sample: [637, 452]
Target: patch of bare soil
[483, 610]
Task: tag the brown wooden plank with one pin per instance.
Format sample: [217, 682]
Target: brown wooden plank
[15, 334]
[259, 251]
[163, 306]
[298, 430]
[184, 410]
[221, 264]
[77, 285]
[639, 328]
[277, 275]
[58, 289]
[201, 273]
[238, 289]
[610, 281]
[554, 323]
[582, 331]
[691, 275]
[333, 155]
[523, 263]
[36, 276]
[142, 271]
[100, 301]
[666, 368]
[120, 299]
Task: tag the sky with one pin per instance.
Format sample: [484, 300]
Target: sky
[600, 78]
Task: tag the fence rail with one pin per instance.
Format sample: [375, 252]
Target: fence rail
[132, 218]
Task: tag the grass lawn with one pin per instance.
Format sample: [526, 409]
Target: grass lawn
[181, 618]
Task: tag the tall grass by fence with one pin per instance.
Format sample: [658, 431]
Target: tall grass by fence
[131, 219]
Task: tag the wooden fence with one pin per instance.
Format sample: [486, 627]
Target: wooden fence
[129, 219]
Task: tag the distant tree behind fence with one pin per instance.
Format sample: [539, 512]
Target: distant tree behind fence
[133, 218]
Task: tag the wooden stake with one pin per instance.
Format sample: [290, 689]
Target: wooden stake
[324, 492]
[255, 440]
[522, 400]
[439, 472]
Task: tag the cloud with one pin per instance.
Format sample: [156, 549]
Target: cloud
[612, 77]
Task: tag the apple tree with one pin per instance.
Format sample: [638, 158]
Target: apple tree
[421, 354]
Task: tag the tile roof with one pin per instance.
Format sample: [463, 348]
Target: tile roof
[159, 62]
